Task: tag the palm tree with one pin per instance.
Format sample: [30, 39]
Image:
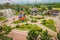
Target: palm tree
[32, 35]
[45, 35]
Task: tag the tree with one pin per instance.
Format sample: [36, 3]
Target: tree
[7, 29]
[49, 7]
[0, 29]
[32, 35]
[45, 35]
[37, 34]
[3, 31]
[43, 8]
[58, 36]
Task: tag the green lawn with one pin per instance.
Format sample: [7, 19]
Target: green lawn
[50, 24]
[2, 18]
[28, 27]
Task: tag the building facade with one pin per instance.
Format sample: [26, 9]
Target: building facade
[7, 12]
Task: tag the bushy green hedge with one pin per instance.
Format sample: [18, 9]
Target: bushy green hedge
[28, 27]
[31, 17]
[50, 24]
[39, 17]
[2, 18]
[36, 17]
[4, 30]
[20, 21]
[16, 22]
[34, 34]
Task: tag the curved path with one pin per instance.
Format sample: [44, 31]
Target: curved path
[18, 34]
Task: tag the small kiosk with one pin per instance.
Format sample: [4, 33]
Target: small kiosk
[21, 15]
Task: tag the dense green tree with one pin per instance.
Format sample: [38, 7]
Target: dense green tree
[1, 29]
[32, 35]
[45, 35]
[43, 8]
[58, 36]
[37, 34]
[7, 29]
[49, 7]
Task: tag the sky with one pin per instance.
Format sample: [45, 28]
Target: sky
[28, 1]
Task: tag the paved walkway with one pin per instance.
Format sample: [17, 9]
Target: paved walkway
[21, 35]
[18, 34]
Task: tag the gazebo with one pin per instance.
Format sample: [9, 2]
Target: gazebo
[21, 15]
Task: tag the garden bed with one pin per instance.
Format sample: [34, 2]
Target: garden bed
[20, 21]
[50, 24]
[28, 27]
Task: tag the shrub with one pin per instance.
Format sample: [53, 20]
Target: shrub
[34, 34]
[31, 17]
[28, 27]
[58, 36]
[17, 26]
[39, 17]
[1, 29]
[2, 37]
[16, 22]
[7, 29]
[2, 18]
[33, 20]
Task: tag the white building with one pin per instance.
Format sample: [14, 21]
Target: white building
[7, 12]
